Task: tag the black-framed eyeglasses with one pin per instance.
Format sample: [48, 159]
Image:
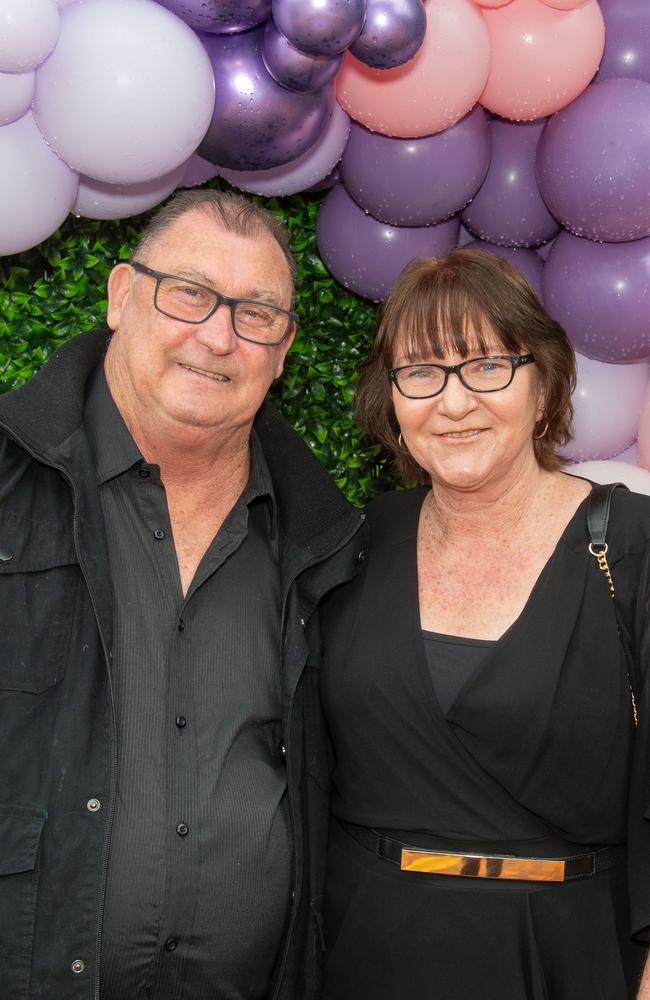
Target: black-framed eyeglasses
[192, 302]
[488, 374]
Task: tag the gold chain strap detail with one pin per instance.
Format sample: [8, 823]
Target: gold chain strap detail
[600, 556]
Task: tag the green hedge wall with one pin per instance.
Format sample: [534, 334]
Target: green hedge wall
[57, 289]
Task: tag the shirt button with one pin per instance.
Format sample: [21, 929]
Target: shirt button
[181, 721]
[171, 944]
[181, 625]
[93, 805]
[6, 555]
[159, 534]
[144, 473]
[182, 829]
[78, 966]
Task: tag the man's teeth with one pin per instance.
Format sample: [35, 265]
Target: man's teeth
[201, 371]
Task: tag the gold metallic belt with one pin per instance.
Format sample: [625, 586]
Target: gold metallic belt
[497, 866]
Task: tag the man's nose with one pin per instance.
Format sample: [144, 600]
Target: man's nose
[217, 333]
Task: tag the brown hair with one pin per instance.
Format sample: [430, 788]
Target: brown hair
[456, 304]
[233, 212]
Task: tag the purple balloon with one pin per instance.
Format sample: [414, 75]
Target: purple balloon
[508, 209]
[415, 182]
[392, 33]
[627, 40]
[545, 248]
[220, 16]
[256, 123]
[366, 255]
[527, 262]
[320, 27]
[599, 293]
[592, 162]
[295, 69]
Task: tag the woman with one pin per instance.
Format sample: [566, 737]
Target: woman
[474, 683]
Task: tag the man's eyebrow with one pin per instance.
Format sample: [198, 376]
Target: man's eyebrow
[253, 294]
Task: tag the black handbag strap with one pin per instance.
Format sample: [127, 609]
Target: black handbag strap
[598, 507]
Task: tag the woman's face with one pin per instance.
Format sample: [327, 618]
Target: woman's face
[469, 441]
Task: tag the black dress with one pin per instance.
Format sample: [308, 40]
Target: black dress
[532, 758]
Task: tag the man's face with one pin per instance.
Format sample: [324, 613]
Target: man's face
[202, 376]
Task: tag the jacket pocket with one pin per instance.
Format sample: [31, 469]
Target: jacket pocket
[20, 837]
[38, 582]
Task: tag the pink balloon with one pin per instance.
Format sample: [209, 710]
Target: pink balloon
[542, 58]
[98, 200]
[431, 91]
[612, 471]
[492, 3]
[37, 189]
[564, 4]
[607, 403]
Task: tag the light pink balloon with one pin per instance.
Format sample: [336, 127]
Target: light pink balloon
[16, 92]
[612, 471]
[298, 175]
[37, 189]
[542, 58]
[492, 3]
[28, 33]
[127, 94]
[644, 431]
[98, 200]
[564, 4]
[607, 403]
[435, 88]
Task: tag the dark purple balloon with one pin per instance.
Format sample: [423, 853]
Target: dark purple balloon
[295, 69]
[508, 209]
[328, 182]
[256, 123]
[593, 162]
[544, 249]
[392, 33]
[220, 16]
[366, 255]
[527, 262]
[415, 182]
[319, 27]
[599, 293]
[627, 40]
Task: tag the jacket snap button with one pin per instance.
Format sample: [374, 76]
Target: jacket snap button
[93, 805]
[6, 555]
[361, 556]
[78, 966]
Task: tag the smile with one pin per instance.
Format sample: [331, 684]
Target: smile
[462, 434]
[201, 371]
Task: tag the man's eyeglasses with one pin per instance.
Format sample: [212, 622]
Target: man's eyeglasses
[487, 374]
[191, 302]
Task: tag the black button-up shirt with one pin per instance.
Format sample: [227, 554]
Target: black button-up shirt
[198, 882]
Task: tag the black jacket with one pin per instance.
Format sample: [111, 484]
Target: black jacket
[57, 738]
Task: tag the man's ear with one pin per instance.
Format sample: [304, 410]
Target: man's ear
[119, 285]
[282, 351]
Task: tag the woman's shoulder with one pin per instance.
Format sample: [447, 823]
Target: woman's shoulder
[630, 519]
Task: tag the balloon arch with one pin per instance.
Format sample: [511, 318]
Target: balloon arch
[522, 126]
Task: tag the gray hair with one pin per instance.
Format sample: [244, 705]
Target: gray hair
[233, 212]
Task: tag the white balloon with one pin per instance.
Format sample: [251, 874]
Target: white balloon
[16, 92]
[37, 189]
[308, 169]
[127, 94]
[28, 33]
[97, 200]
[607, 403]
[634, 478]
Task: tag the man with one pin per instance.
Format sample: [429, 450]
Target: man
[164, 540]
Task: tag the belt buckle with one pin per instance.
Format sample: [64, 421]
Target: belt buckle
[484, 866]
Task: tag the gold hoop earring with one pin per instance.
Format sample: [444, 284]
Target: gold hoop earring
[399, 440]
[538, 437]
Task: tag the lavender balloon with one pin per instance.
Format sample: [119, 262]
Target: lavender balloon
[415, 182]
[295, 69]
[220, 16]
[593, 158]
[527, 262]
[320, 27]
[366, 255]
[256, 123]
[599, 293]
[392, 33]
[97, 200]
[627, 40]
[509, 209]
